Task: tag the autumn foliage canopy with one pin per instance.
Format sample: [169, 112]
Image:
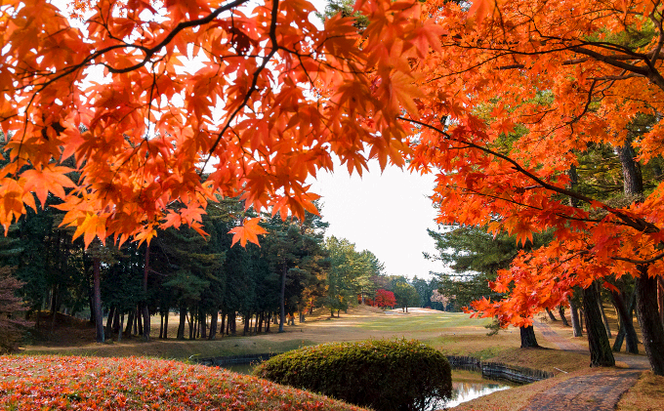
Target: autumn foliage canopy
[199, 99]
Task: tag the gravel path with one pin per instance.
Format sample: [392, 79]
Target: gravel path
[599, 391]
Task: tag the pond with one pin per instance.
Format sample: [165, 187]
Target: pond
[467, 385]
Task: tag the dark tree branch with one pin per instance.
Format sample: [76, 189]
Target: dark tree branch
[636, 223]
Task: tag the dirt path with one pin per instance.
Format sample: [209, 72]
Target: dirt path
[598, 391]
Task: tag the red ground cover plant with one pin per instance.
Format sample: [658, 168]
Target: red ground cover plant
[77, 383]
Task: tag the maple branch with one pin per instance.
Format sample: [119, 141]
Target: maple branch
[638, 224]
[640, 262]
[181, 26]
[650, 72]
[660, 41]
[617, 77]
[254, 82]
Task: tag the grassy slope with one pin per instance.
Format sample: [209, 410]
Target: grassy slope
[453, 333]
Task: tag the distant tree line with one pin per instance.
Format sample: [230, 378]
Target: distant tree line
[202, 278]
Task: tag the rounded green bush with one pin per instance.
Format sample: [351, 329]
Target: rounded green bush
[385, 375]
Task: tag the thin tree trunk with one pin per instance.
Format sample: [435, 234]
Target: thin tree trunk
[181, 325]
[165, 337]
[247, 324]
[598, 342]
[190, 321]
[576, 323]
[282, 302]
[120, 328]
[96, 278]
[648, 315]
[146, 309]
[130, 323]
[54, 307]
[213, 324]
[551, 316]
[109, 321]
[116, 327]
[561, 311]
[528, 339]
[601, 310]
[203, 324]
[139, 319]
[223, 324]
[626, 326]
[660, 298]
[232, 321]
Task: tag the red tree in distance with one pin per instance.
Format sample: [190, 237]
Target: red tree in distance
[384, 299]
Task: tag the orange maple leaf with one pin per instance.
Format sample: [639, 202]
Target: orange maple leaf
[48, 179]
[248, 231]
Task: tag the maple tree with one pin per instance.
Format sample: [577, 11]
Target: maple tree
[384, 298]
[508, 100]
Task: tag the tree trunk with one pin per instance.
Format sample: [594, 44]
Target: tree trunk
[626, 326]
[190, 321]
[660, 298]
[528, 339]
[130, 323]
[282, 302]
[632, 178]
[116, 327]
[601, 310]
[146, 309]
[213, 324]
[223, 330]
[551, 316]
[267, 325]
[247, 324]
[165, 337]
[139, 318]
[561, 311]
[96, 278]
[120, 328]
[109, 321]
[648, 315]
[183, 320]
[598, 342]
[576, 321]
[232, 322]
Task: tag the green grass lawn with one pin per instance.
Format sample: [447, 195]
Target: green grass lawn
[452, 333]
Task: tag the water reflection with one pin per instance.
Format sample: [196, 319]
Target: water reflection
[466, 391]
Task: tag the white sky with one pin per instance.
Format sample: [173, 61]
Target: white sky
[387, 214]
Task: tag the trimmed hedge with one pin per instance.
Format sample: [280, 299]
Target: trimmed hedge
[385, 375]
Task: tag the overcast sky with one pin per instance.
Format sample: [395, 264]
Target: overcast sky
[387, 214]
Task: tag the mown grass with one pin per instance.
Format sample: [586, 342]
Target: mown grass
[452, 333]
[175, 349]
